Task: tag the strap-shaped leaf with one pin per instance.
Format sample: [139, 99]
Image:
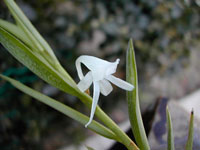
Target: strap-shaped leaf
[18, 17]
[16, 31]
[36, 63]
[68, 111]
[89, 148]
[27, 33]
[170, 135]
[189, 143]
[30, 30]
[133, 100]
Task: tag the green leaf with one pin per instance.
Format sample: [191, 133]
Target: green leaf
[16, 31]
[170, 136]
[29, 30]
[90, 148]
[133, 100]
[68, 111]
[26, 32]
[21, 21]
[36, 63]
[189, 143]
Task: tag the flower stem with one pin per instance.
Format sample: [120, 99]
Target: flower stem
[100, 114]
[115, 128]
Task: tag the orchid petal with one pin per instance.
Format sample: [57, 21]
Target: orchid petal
[79, 69]
[86, 81]
[96, 93]
[99, 67]
[120, 83]
[105, 87]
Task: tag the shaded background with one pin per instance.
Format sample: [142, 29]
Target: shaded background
[166, 38]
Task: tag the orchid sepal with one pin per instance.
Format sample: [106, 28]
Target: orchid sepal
[100, 75]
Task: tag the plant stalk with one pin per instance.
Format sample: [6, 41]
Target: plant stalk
[100, 114]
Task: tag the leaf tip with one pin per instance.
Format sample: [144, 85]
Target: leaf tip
[192, 112]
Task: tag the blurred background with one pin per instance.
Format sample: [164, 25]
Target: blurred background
[166, 37]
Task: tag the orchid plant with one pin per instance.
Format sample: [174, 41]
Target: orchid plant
[25, 43]
[100, 74]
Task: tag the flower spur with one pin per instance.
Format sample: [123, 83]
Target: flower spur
[100, 74]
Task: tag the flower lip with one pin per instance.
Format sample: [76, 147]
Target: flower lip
[100, 75]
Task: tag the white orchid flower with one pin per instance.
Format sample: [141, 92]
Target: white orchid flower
[100, 74]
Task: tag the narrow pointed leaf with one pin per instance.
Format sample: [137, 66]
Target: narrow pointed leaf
[19, 34]
[170, 136]
[21, 21]
[38, 45]
[16, 31]
[89, 148]
[29, 29]
[35, 63]
[68, 111]
[133, 101]
[189, 143]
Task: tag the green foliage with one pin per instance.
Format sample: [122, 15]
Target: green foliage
[133, 100]
[170, 136]
[90, 148]
[42, 63]
[36, 40]
[34, 62]
[96, 127]
[16, 31]
[189, 143]
[160, 28]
